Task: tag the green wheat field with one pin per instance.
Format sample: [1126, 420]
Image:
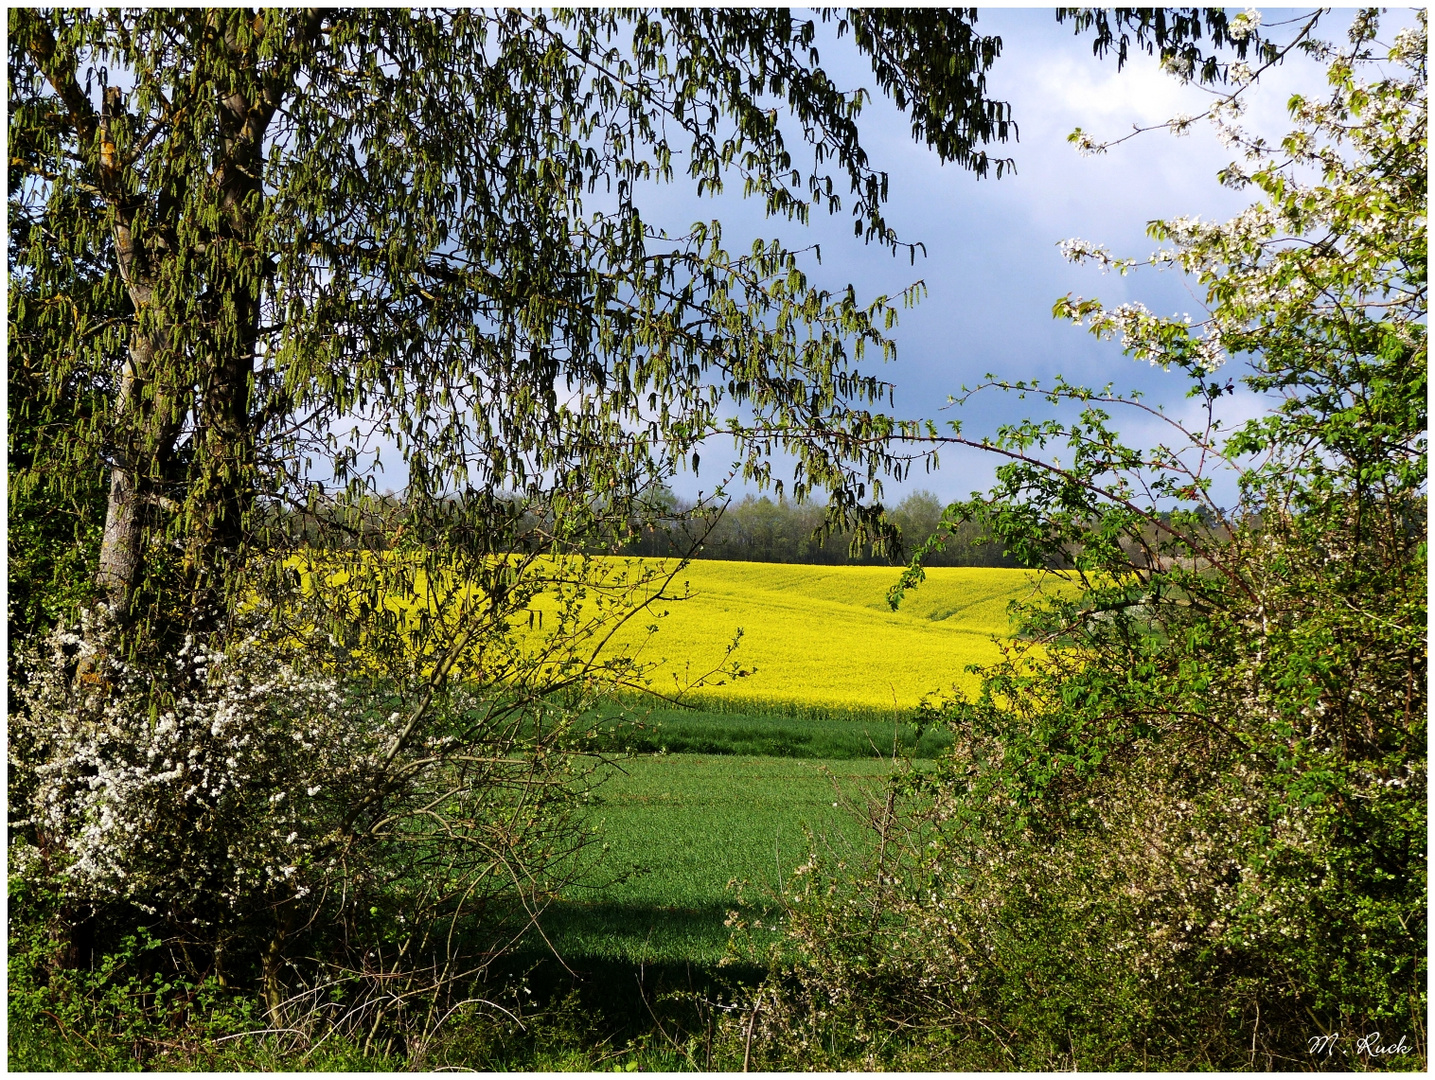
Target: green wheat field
[698, 803]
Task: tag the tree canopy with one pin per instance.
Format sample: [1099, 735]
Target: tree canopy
[271, 245]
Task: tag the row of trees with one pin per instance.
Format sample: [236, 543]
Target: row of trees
[757, 529]
[753, 529]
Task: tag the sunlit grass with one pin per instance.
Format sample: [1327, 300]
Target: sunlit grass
[765, 731]
[681, 828]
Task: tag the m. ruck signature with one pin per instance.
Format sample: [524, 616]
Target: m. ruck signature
[1368, 1045]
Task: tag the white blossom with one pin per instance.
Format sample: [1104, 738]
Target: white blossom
[1244, 25]
[121, 795]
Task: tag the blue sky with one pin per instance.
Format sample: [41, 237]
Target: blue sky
[993, 268]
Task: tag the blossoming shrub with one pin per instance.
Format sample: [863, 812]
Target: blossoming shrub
[201, 787]
[1184, 825]
[273, 829]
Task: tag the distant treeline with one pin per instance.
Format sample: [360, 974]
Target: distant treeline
[751, 529]
[761, 530]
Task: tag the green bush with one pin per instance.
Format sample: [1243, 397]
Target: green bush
[1184, 825]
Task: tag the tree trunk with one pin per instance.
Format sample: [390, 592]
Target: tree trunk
[216, 490]
[122, 542]
[146, 428]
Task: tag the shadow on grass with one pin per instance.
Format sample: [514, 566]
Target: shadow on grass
[602, 933]
[635, 983]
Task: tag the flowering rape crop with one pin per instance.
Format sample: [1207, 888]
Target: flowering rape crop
[813, 638]
[825, 636]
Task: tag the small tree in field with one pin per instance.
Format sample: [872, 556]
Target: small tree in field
[1184, 825]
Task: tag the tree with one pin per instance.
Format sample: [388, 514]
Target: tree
[268, 247]
[373, 180]
[1184, 824]
[294, 201]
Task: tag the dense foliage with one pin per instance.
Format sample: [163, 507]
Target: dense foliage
[1185, 824]
[251, 254]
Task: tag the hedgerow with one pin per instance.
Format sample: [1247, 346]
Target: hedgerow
[1184, 823]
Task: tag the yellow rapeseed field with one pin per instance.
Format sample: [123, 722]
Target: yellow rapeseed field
[819, 637]
[825, 636]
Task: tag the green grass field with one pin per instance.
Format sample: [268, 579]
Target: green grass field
[764, 731]
[735, 782]
[737, 789]
[681, 827]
